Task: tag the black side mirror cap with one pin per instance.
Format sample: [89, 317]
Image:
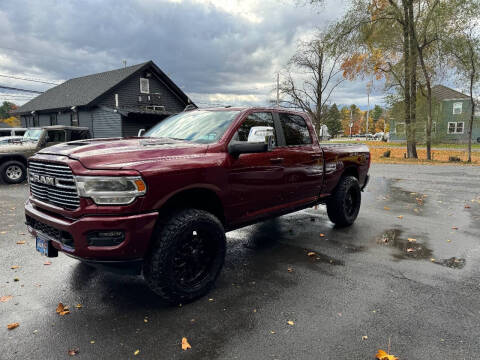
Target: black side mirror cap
[235, 148]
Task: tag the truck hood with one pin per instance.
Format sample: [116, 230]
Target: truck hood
[123, 153]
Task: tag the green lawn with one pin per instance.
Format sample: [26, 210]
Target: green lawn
[403, 144]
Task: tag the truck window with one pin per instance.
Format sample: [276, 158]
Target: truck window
[295, 129]
[254, 119]
[56, 136]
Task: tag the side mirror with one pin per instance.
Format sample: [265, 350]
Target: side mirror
[141, 132]
[235, 148]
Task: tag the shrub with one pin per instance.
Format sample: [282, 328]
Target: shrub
[454, 159]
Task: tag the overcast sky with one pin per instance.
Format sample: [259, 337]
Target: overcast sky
[217, 51]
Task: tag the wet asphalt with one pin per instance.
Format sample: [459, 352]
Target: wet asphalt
[367, 286]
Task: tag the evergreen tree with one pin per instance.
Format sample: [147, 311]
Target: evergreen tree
[333, 120]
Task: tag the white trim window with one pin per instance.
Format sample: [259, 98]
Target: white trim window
[144, 86]
[456, 127]
[457, 108]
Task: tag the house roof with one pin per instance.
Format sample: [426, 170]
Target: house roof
[83, 91]
[441, 93]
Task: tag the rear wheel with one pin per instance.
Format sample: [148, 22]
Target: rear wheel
[186, 257]
[344, 204]
[13, 172]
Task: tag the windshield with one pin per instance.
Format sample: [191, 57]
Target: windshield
[200, 126]
[32, 134]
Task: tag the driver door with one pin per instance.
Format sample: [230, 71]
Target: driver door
[255, 180]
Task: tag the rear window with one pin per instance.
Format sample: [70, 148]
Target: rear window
[79, 135]
[295, 129]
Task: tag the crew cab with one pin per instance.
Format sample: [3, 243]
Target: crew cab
[161, 204]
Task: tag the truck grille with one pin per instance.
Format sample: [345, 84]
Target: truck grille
[53, 183]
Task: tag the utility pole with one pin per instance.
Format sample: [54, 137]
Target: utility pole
[278, 89]
[351, 122]
[124, 63]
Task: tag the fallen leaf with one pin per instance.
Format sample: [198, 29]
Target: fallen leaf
[92, 341]
[412, 240]
[454, 227]
[16, 279]
[13, 326]
[6, 298]
[47, 263]
[21, 242]
[3, 232]
[386, 208]
[79, 306]
[136, 352]
[211, 299]
[62, 310]
[432, 260]
[311, 253]
[409, 250]
[290, 322]
[467, 206]
[449, 240]
[290, 269]
[145, 320]
[185, 344]
[272, 332]
[14, 267]
[400, 216]
[364, 337]
[382, 355]
[322, 235]
[73, 352]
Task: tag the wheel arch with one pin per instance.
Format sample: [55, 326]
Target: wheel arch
[13, 157]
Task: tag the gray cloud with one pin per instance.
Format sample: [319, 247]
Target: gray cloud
[211, 53]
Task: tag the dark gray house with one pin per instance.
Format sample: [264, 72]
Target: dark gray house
[113, 103]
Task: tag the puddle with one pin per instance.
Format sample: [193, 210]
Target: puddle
[406, 249]
[453, 262]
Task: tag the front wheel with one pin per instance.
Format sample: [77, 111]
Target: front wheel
[186, 257]
[13, 172]
[344, 204]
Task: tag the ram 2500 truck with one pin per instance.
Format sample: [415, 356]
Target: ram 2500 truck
[161, 204]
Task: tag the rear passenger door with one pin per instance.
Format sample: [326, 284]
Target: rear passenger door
[303, 159]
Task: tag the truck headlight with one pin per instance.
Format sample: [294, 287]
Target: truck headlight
[111, 190]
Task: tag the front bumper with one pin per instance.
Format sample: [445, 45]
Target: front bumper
[70, 235]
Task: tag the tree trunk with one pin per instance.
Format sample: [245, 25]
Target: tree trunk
[470, 125]
[428, 128]
[412, 147]
[407, 76]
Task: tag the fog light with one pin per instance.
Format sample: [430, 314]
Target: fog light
[105, 238]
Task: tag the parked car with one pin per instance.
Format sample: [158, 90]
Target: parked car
[12, 132]
[161, 204]
[13, 156]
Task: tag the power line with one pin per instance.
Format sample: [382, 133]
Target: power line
[33, 80]
[18, 89]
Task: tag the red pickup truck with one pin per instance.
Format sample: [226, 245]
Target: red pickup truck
[161, 204]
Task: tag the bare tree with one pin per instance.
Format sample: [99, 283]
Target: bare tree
[311, 76]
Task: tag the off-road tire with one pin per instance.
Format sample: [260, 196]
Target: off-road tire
[338, 209]
[10, 168]
[159, 266]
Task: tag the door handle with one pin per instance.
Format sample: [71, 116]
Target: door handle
[276, 160]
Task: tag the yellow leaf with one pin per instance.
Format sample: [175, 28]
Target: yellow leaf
[400, 216]
[311, 253]
[290, 269]
[136, 352]
[79, 306]
[14, 267]
[13, 326]
[21, 242]
[6, 298]
[322, 235]
[382, 355]
[412, 240]
[185, 344]
[290, 322]
[62, 310]
[386, 208]
[364, 337]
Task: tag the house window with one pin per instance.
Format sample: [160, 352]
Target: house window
[144, 86]
[36, 121]
[400, 128]
[53, 119]
[457, 108]
[455, 127]
[74, 118]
